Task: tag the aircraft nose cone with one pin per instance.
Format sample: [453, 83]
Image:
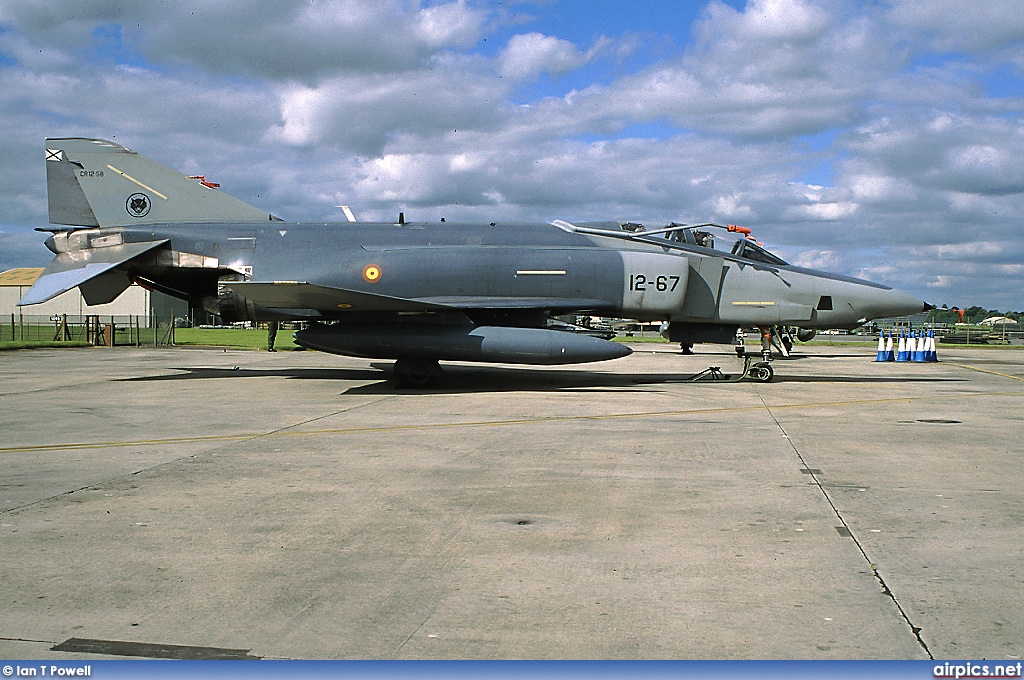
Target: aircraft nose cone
[885, 303]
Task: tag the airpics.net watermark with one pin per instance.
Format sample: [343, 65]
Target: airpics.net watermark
[971, 669]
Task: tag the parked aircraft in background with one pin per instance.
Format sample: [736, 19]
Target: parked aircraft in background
[421, 292]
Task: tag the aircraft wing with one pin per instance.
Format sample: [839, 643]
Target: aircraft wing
[498, 302]
[302, 295]
[71, 269]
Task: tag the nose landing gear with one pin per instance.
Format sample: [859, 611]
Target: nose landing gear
[760, 371]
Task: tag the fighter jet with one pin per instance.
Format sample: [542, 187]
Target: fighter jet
[420, 292]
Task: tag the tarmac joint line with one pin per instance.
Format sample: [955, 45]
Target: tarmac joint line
[14, 639]
[845, 531]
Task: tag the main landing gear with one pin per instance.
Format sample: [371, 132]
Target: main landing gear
[418, 373]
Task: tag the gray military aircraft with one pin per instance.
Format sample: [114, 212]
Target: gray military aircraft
[420, 292]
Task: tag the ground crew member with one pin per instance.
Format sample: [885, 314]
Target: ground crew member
[271, 335]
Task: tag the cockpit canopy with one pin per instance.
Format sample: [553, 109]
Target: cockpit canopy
[732, 240]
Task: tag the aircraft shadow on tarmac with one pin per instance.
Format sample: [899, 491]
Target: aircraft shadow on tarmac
[460, 379]
[205, 373]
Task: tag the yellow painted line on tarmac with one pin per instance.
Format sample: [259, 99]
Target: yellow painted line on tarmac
[77, 446]
[986, 370]
[510, 422]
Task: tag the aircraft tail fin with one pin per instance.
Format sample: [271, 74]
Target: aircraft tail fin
[96, 183]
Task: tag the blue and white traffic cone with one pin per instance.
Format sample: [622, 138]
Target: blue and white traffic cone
[919, 352]
[890, 353]
[881, 347]
[931, 354]
[901, 349]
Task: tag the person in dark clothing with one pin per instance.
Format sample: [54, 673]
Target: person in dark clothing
[271, 335]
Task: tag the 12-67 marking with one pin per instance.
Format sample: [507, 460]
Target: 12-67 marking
[659, 283]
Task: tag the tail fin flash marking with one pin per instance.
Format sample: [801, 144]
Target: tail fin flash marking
[66, 202]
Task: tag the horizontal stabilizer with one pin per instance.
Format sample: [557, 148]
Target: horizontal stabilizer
[69, 270]
[296, 295]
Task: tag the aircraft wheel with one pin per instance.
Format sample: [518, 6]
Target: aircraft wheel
[417, 373]
[761, 372]
[418, 380]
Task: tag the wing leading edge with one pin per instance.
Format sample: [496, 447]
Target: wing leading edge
[303, 295]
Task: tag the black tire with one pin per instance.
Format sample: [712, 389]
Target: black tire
[417, 373]
[761, 372]
[420, 381]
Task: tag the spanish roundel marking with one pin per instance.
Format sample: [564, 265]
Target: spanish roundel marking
[371, 273]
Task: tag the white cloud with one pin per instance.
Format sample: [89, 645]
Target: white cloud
[790, 21]
[361, 113]
[451, 25]
[828, 211]
[732, 208]
[869, 188]
[528, 55]
[279, 40]
[825, 260]
[961, 24]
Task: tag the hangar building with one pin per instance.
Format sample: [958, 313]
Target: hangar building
[136, 303]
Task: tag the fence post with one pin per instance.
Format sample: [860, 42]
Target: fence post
[63, 334]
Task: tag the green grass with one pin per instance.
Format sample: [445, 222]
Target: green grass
[243, 338]
[37, 344]
[637, 338]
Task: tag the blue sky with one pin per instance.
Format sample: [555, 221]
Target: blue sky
[877, 139]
